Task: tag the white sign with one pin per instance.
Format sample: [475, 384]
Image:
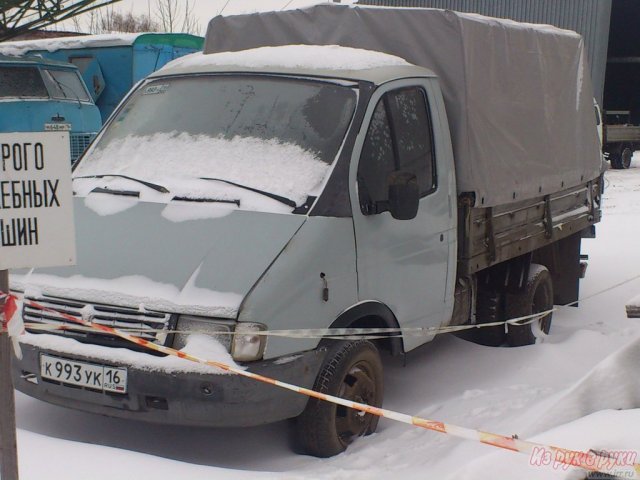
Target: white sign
[36, 209]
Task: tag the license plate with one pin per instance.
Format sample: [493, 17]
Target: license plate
[82, 374]
[57, 127]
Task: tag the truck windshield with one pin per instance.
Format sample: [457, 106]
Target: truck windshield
[21, 82]
[274, 134]
[65, 84]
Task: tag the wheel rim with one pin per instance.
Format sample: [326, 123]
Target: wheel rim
[542, 302]
[358, 385]
[626, 157]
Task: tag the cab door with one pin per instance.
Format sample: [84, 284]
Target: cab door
[405, 264]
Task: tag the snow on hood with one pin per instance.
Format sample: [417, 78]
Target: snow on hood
[140, 259]
[269, 165]
[313, 57]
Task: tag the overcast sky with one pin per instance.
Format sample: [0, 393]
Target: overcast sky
[205, 10]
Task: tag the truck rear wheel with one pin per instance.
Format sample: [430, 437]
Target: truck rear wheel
[625, 157]
[536, 296]
[351, 370]
[621, 159]
[616, 160]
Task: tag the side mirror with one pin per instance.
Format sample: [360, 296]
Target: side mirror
[404, 195]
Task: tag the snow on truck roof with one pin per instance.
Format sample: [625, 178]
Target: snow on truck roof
[98, 41]
[34, 60]
[317, 60]
[331, 57]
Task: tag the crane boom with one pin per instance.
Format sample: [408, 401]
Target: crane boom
[20, 16]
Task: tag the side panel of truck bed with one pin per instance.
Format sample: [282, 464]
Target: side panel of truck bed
[488, 236]
[622, 133]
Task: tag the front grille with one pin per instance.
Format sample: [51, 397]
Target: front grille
[151, 326]
[79, 143]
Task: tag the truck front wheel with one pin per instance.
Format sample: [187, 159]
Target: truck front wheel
[353, 371]
[535, 297]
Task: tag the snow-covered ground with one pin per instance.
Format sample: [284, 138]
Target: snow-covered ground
[579, 389]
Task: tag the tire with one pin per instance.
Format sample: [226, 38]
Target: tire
[489, 309]
[625, 157]
[616, 161]
[536, 296]
[351, 370]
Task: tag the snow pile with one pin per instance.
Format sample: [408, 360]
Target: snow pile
[199, 345]
[607, 386]
[607, 430]
[634, 302]
[312, 57]
[61, 43]
[285, 169]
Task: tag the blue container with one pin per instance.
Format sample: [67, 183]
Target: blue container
[112, 64]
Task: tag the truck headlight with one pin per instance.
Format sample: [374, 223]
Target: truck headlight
[248, 344]
[218, 329]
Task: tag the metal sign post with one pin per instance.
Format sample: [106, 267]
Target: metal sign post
[36, 230]
[8, 444]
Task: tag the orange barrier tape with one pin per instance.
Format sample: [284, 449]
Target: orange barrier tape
[8, 310]
[591, 460]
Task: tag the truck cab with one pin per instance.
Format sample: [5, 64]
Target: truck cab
[38, 95]
[274, 213]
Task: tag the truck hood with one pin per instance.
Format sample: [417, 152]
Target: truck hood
[182, 257]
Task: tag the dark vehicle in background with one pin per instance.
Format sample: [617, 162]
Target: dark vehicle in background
[622, 110]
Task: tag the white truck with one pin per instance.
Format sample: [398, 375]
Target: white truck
[404, 168]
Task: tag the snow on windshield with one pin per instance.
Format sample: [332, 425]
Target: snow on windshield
[270, 165]
[326, 57]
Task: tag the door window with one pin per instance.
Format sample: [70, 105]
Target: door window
[399, 138]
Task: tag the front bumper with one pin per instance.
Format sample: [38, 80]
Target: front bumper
[183, 398]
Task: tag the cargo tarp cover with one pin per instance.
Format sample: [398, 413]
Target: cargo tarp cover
[518, 96]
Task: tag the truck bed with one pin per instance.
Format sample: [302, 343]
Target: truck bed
[491, 235]
[622, 133]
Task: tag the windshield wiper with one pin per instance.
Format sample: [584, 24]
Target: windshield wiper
[206, 200]
[281, 199]
[153, 186]
[124, 193]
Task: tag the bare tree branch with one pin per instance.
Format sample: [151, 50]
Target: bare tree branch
[109, 20]
[174, 16]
